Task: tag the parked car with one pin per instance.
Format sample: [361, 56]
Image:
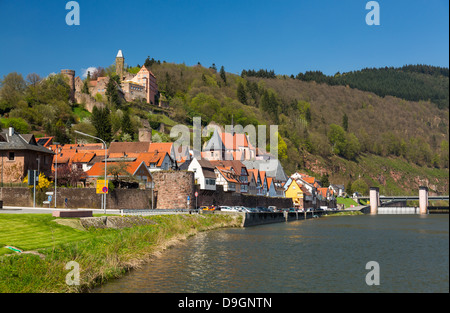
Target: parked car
[241, 208]
[227, 208]
[207, 208]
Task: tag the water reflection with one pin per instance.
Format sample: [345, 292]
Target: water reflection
[320, 255]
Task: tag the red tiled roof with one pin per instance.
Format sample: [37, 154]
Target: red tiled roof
[309, 180]
[119, 149]
[262, 174]
[98, 169]
[227, 173]
[161, 147]
[235, 164]
[83, 157]
[152, 158]
[254, 172]
[323, 191]
[233, 141]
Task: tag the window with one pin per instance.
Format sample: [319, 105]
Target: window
[11, 156]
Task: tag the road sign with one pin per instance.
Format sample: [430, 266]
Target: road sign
[102, 186]
[196, 194]
[49, 193]
[189, 198]
[49, 199]
[32, 177]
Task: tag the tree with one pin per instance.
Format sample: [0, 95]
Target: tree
[348, 189]
[33, 79]
[98, 72]
[336, 137]
[85, 88]
[269, 103]
[241, 94]
[19, 124]
[69, 175]
[360, 186]
[352, 147]
[60, 132]
[12, 90]
[112, 93]
[343, 144]
[102, 123]
[280, 150]
[223, 75]
[345, 122]
[119, 170]
[324, 180]
[126, 125]
[444, 158]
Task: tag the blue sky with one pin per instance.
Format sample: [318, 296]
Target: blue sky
[286, 36]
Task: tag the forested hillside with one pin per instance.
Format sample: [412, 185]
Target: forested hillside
[334, 131]
[410, 82]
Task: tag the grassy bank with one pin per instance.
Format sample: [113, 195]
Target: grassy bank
[102, 254]
[347, 213]
[347, 202]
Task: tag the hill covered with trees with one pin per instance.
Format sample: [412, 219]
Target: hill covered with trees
[410, 82]
[338, 132]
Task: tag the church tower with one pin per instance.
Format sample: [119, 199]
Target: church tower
[120, 60]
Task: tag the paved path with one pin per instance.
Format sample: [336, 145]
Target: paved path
[27, 210]
[356, 208]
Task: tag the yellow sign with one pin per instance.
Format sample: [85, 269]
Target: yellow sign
[102, 186]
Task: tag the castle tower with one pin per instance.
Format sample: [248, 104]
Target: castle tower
[120, 61]
[71, 75]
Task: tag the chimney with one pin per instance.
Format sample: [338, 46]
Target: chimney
[11, 131]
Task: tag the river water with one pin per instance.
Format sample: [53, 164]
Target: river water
[328, 254]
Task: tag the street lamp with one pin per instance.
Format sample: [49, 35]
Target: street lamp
[56, 167]
[104, 143]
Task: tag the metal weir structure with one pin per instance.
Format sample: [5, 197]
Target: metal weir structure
[376, 204]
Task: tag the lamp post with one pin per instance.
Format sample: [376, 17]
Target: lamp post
[104, 143]
[56, 168]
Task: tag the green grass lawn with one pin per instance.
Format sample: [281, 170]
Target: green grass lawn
[101, 253]
[346, 201]
[35, 231]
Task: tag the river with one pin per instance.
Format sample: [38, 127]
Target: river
[328, 254]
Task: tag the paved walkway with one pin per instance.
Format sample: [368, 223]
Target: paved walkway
[356, 208]
[37, 210]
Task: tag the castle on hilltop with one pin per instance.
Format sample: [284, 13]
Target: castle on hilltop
[132, 86]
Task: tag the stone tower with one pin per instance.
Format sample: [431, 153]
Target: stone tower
[120, 61]
[71, 75]
[145, 135]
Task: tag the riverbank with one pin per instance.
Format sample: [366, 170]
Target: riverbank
[101, 253]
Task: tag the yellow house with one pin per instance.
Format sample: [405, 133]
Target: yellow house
[296, 193]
